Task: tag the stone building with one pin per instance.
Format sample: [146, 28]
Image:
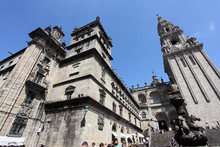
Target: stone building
[155, 111]
[57, 95]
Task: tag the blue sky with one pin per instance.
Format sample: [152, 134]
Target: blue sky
[132, 25]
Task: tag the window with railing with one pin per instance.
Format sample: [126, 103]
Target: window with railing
[38, 78]
[29, 98]
[18, 126]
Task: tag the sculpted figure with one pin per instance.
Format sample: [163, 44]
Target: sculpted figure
[174, 88]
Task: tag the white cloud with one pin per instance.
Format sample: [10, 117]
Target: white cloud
[211, 26]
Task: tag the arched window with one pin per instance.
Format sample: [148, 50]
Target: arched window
[155, 96]
[142, 98]
[114, 128]
[122, 129]
[69, 91]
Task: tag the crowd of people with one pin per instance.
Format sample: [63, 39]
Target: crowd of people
[113, 144]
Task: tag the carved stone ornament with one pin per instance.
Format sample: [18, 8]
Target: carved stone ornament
[25, 111]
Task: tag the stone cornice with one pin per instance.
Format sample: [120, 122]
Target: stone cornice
[97, 82]
[90, 25]
[94, 52]
[12, 56]
[89, 39]
[91, 105]
[183, 49]
[39, 33]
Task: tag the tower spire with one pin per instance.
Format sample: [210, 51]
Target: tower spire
[171, 36]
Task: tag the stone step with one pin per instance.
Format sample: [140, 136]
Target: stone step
[163, 139]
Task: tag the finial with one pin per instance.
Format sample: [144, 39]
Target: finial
[48, 29]
[158, 17]
[97, 18]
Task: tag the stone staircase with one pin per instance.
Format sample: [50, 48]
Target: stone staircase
[163, 139]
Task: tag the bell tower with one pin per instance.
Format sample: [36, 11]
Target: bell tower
[188, 66]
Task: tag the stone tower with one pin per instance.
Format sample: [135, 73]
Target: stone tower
[188, 66]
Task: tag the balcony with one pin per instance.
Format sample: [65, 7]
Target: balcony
[37, 82]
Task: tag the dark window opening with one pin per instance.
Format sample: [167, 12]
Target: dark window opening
[121, 110]
[69, 91]
[10, 63]
[18, 126]
[39, 77]
[129, 116]
[162, 125]
[29, 98]
[2, 66]
[167, 29]
[46, 60]
[174, 41]
[114, 107]
[183, 62]
[192, 60]
[114, 129]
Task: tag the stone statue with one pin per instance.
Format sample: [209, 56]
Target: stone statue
[174, 88]
[187, 133]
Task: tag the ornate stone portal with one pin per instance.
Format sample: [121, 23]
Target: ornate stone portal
[186, 132]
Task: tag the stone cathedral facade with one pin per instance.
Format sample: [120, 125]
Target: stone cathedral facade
[57, 95]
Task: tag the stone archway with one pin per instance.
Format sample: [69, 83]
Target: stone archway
[162, 119]
[142, 98]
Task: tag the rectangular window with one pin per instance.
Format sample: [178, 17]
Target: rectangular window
[29, 98]
[129, 116]
[18, 126]
[39, 77]
[103, 75]
[114, 107]
[121, 110]
[46, 60]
